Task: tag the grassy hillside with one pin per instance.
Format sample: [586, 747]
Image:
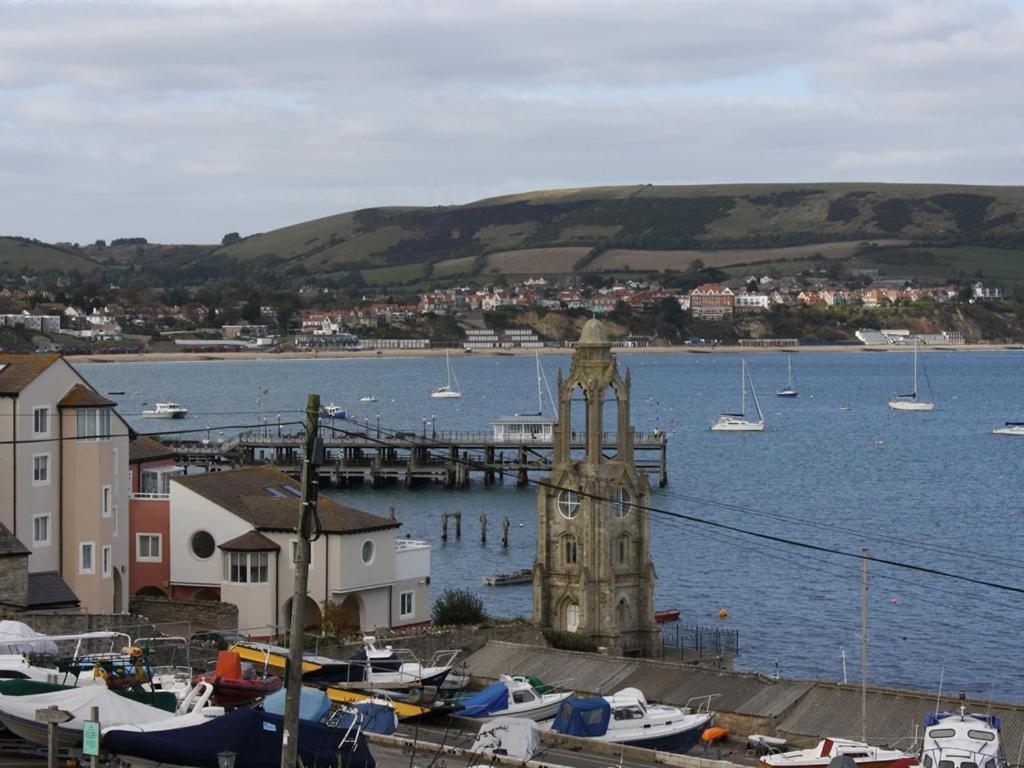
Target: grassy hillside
[647, 228]
[936, 231]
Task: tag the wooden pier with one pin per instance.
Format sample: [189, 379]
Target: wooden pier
[450, 458]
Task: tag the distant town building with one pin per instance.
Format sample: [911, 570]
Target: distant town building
[712, 301]
[30, 322]
[982, 291]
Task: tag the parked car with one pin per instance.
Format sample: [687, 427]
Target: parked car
[217, 638]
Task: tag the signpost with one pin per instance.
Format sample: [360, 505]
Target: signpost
[52, 716]
[91, 737]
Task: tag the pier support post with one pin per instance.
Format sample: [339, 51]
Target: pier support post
[483, 528]
[458, 525]
[504, 532]
[444, 526]
[522, 477]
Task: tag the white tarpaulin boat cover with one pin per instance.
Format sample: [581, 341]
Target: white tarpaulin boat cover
[16, 637]
[114, 709]
[513, 736]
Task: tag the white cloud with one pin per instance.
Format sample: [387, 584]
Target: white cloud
[184, 121]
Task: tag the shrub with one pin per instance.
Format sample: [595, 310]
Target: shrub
[458, 606]
[569, 641]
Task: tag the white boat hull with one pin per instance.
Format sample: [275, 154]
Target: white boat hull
[155, 415]
[911, 405]
[1009, 431]
[447, 395]
[535, 711]
[735, 425]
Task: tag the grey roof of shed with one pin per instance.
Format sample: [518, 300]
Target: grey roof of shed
[47, 589]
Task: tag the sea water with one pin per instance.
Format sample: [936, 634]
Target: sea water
[935, 490]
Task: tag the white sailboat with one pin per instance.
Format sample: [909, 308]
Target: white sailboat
[738, 422]
[451, 389]
[789, 390]
[911, 402]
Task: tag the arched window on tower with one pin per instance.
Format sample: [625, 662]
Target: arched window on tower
[569, 549]
[572, 617]
[622, 612]
[577, 423]
[609, 417]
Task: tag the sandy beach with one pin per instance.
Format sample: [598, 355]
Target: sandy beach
[156, 357]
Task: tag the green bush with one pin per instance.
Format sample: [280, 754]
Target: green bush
[458, 606]
[569, 641]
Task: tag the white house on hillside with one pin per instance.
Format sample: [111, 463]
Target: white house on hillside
[233, 536]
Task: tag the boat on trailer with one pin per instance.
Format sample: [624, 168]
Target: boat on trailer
[863, 755]
[512, 696]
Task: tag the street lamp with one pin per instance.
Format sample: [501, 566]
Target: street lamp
[433, 432]
[279, 426]
[424, 427]
[378, 425]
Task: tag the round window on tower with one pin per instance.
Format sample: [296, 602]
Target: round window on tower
[368, 552]
[621, 502]
[568, 504]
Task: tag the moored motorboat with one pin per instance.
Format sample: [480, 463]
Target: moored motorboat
[962, 739]
[1010, 428]
[671, 614]
[522, 576]
[514, 737]
[512, 696]
[368, 399]
[627, 718]
[18, 713]
[385, 667]
[863, 755]
[252, 735]
[166, 411]
[235, 684]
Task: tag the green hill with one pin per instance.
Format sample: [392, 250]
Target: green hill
[926, 230]
[654, 228]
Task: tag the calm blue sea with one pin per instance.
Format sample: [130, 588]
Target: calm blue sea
[932, 489]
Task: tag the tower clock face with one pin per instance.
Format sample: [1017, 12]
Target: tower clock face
[568, 504]
[621, 502]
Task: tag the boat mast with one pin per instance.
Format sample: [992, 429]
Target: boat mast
[753, 394]
[540, 395]
[864, 647]
[789, 369]
[743, 388]
[448, 365]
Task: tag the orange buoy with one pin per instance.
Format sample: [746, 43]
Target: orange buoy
[722, 613]
[714, 734]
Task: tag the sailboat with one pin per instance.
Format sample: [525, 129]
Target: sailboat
[738, 422]
[911, 402]
[789, 390]
[451, 388]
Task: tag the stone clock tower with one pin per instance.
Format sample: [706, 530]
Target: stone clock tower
[593, 572]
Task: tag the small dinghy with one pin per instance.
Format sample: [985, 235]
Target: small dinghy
[254, 737]
[235, 685]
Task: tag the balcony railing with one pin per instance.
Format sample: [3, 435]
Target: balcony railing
[150, 496]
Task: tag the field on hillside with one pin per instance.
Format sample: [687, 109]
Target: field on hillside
[17, 254]
[535, 261]
[998, 264]
[655, 261]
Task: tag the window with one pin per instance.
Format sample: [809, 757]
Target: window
[156, 482]
[523, 697]
[40, 421]
[368, 552]
[106, 561]
[105, 502]
[621, 502]
[572, 617]
[406, 604]
[568, 504]
[622, 550]
[247, 567]
[85, 557]
[147, 547]
[41, 530]
[202, 544]
[92, 424]
[295, 553]
[41, 469]
[569, 550]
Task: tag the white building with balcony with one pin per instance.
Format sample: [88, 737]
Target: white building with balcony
[232, 537]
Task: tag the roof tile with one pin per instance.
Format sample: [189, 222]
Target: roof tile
[81, 396]
[17, 371]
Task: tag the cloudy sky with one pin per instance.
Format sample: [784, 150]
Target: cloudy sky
[181, 121]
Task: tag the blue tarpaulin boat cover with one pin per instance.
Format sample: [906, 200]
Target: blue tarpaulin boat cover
[493, 698]
[313, 705]
[377, 717]
[254, 737]
[934, 718]
[583, 717]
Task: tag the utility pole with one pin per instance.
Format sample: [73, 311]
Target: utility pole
[864, 647]
[310, 488]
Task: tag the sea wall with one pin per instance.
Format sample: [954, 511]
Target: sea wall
[175, 616]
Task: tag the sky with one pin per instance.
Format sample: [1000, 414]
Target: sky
[182, 121]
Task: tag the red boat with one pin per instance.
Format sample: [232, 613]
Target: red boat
[234, 686]
[662, 616]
